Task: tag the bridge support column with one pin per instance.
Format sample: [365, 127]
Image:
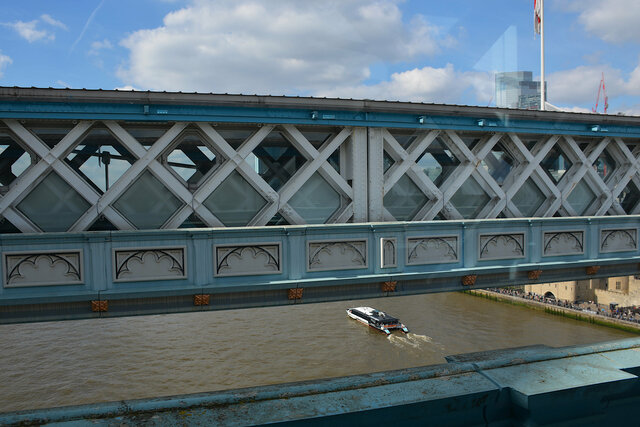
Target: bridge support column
[376, 174]
[357, 173]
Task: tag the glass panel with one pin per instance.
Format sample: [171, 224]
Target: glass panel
[581, 197]
[278, 160]
[528, 198]
[470, 199]
[438, 162]
[100, 159]
[604, 165]
[146, 134]
[235, 202]
[14, 159]
[193, 221]
[556, 164]
[470, 140]
[6, 226]
[236, 135]
[49, 133]
[316, 200]
[191, 158]
[278, 220]
[498, 163]
[147, 203]
[629, 197]
[102, 224]
[318, 136]
[404, 200]
[387, 162]
[404, 137]
[633, 148]
[53, 205]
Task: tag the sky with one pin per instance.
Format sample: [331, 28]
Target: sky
[422, 51]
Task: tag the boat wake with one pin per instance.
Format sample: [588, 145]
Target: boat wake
[417, 337]
[414, 341]
[403, 341]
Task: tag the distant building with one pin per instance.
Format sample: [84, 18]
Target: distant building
[622, 291]
[517, 90]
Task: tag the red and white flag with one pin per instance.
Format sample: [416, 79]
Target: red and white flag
[537, 15]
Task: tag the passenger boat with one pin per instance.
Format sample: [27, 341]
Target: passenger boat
[376, 319]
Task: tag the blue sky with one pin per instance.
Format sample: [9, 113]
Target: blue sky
[426, 51]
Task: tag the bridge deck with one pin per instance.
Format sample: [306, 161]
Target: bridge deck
[98, 274]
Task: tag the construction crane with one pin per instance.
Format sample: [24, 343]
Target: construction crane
[604, 93]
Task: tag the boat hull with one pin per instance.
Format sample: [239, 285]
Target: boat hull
[367, 316]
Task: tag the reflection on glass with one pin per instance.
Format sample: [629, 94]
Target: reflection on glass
[147, 203]
[404, 200]
[498, 163]
[528, 198]
[316, 200]
[604, 165]
[581, 197]
[53, 205]
[556, 164]
[629, 197]
[470, 199]
[438, 162]
[278, 160]
[235, 202]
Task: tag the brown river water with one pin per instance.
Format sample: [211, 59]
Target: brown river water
[86, 361]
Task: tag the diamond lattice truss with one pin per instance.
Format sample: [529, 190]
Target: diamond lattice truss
[360, 184]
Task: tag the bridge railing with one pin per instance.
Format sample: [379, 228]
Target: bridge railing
[233, 267]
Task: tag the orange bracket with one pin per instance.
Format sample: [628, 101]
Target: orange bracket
[295, 293]
[469, 280]
[201, 299]
[592, 269]
[534, 274]
[99, 306]
[389, 286]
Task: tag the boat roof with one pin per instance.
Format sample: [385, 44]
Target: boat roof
[374, 313]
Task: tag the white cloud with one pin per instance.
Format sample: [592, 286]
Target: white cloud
[614, 21]
[283, 47]
[97, 46]
[580, 85]
[4, 61]
[427, 84]
[53, 22]
[30, 32]
[86, 25]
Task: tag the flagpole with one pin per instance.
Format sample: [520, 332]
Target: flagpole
[542, 91]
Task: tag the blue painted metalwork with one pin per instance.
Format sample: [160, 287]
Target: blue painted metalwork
[361, 280]
[497, 120]
[539, 385]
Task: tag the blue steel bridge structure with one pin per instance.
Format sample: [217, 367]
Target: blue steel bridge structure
[124, 202]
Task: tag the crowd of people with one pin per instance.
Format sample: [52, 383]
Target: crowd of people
[629, 314]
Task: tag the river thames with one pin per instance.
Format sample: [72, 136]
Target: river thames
[85, 361]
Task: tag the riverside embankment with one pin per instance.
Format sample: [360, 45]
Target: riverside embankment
[571, 313]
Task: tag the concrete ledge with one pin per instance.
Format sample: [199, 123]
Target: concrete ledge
[526, 386]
